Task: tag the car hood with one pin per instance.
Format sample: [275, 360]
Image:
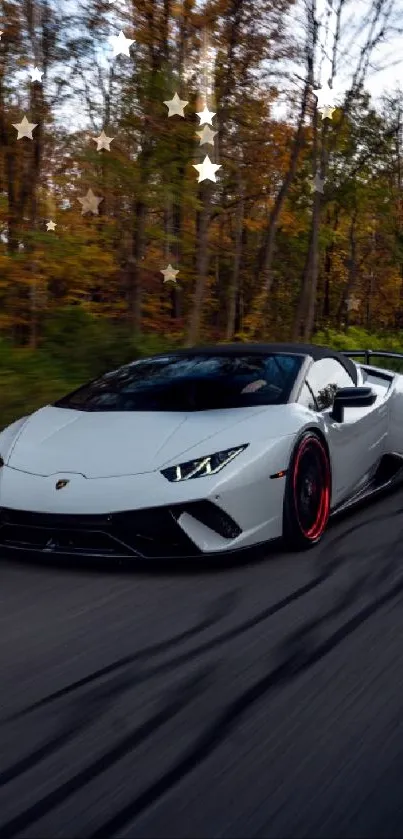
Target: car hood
[108, 444]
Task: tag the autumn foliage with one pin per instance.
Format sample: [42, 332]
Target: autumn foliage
[260, 255]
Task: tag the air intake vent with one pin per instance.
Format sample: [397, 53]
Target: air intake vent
[213, 517]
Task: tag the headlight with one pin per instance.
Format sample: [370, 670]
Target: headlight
[203, 466]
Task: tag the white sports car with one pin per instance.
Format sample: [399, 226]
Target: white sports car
[201, 452]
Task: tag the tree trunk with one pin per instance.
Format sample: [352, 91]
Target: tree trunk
[36, 20]
[300, 331]
[234, 286]
[177, 212]
[304, 314]
[343, 311]
[202, 264]
[399, 214]
[265, 257]
[10, 152]
[158, 48]
[135, 268]
[328, 265]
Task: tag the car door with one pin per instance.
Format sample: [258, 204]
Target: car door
[357, 443]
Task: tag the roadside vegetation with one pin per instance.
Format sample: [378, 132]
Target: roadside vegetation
[76, 346]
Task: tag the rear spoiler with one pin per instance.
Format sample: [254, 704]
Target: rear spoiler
[368, 354]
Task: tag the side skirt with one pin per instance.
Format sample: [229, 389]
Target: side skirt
[387, 475]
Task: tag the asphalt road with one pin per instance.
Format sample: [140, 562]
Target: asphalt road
[260, 700]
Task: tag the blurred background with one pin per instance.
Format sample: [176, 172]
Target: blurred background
[299, 237]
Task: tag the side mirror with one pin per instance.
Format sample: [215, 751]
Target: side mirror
[351, 397]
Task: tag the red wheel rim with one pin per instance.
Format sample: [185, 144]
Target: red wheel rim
[311, 487]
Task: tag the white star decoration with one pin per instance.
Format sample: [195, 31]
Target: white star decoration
[206, 136]
[207, 169]
[121, 44]
[103, 142]
[24, 128]
[175, 106]
[316, 184]
[353, 304]
[326, 97]
[205, 116]
[50, 225]
[36, 74]
[1, 32]
[169, 274]
[326, 111]
[90, 203]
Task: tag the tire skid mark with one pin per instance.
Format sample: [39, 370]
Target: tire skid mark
[209, 741]
[80, 719]
[294, 642]
[221, 608]
[180, 697]
[76, 726]
[333, 561]
[46, 750]
[294, 659]
[293, 665]
[148, 652]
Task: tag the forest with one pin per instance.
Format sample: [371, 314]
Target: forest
[176, 172]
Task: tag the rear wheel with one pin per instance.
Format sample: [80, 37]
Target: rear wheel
[307, 495]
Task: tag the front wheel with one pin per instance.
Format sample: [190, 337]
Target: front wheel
[307, 493]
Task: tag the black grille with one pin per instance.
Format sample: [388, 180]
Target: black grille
[153, 533]
[25, 518]
[49, 540]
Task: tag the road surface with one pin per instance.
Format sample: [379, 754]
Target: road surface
[258, 700]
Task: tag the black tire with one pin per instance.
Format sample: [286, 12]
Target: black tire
[307, 493]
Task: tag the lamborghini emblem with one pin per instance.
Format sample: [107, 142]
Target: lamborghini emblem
[61, 484]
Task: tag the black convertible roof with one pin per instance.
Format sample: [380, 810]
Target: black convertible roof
[316, 352]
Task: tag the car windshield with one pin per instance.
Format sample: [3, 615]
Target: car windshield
[194, 382]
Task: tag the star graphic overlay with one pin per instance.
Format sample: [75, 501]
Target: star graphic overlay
[121, 44]
[206, 170]
[206, 136]
[353, 303]
[103, 142]
[175, 106]
[169, 274]
[316, 184]
[205, 116]
[326, 98]
[326, 111]
[36, 74]
[50, 225]
[24, 128]
[90, 203]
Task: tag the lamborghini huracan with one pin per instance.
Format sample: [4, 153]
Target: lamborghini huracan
[202, 451]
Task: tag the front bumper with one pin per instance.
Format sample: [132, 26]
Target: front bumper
[142, 515]
[153, 533]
